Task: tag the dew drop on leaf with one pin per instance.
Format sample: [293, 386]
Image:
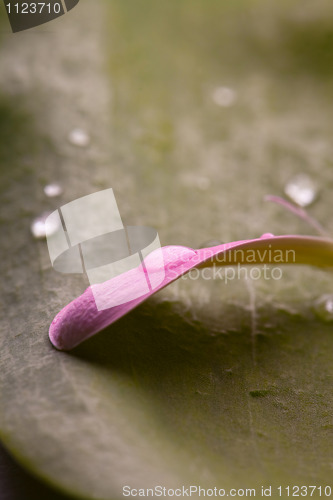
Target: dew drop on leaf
[38, 229]
[79, 137]
[324, 307]
[53, 190]
[302, 190]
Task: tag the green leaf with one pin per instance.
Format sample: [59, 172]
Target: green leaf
[207, 383]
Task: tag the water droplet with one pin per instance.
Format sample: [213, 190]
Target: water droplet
[224, 96]
[324, 307]
[302, 190]
[38, 226]
[79, 137]
[211, 243]
[53, 190]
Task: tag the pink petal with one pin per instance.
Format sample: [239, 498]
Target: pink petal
[81, 319]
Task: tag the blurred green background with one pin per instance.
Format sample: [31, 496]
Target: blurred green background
[195, 111]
